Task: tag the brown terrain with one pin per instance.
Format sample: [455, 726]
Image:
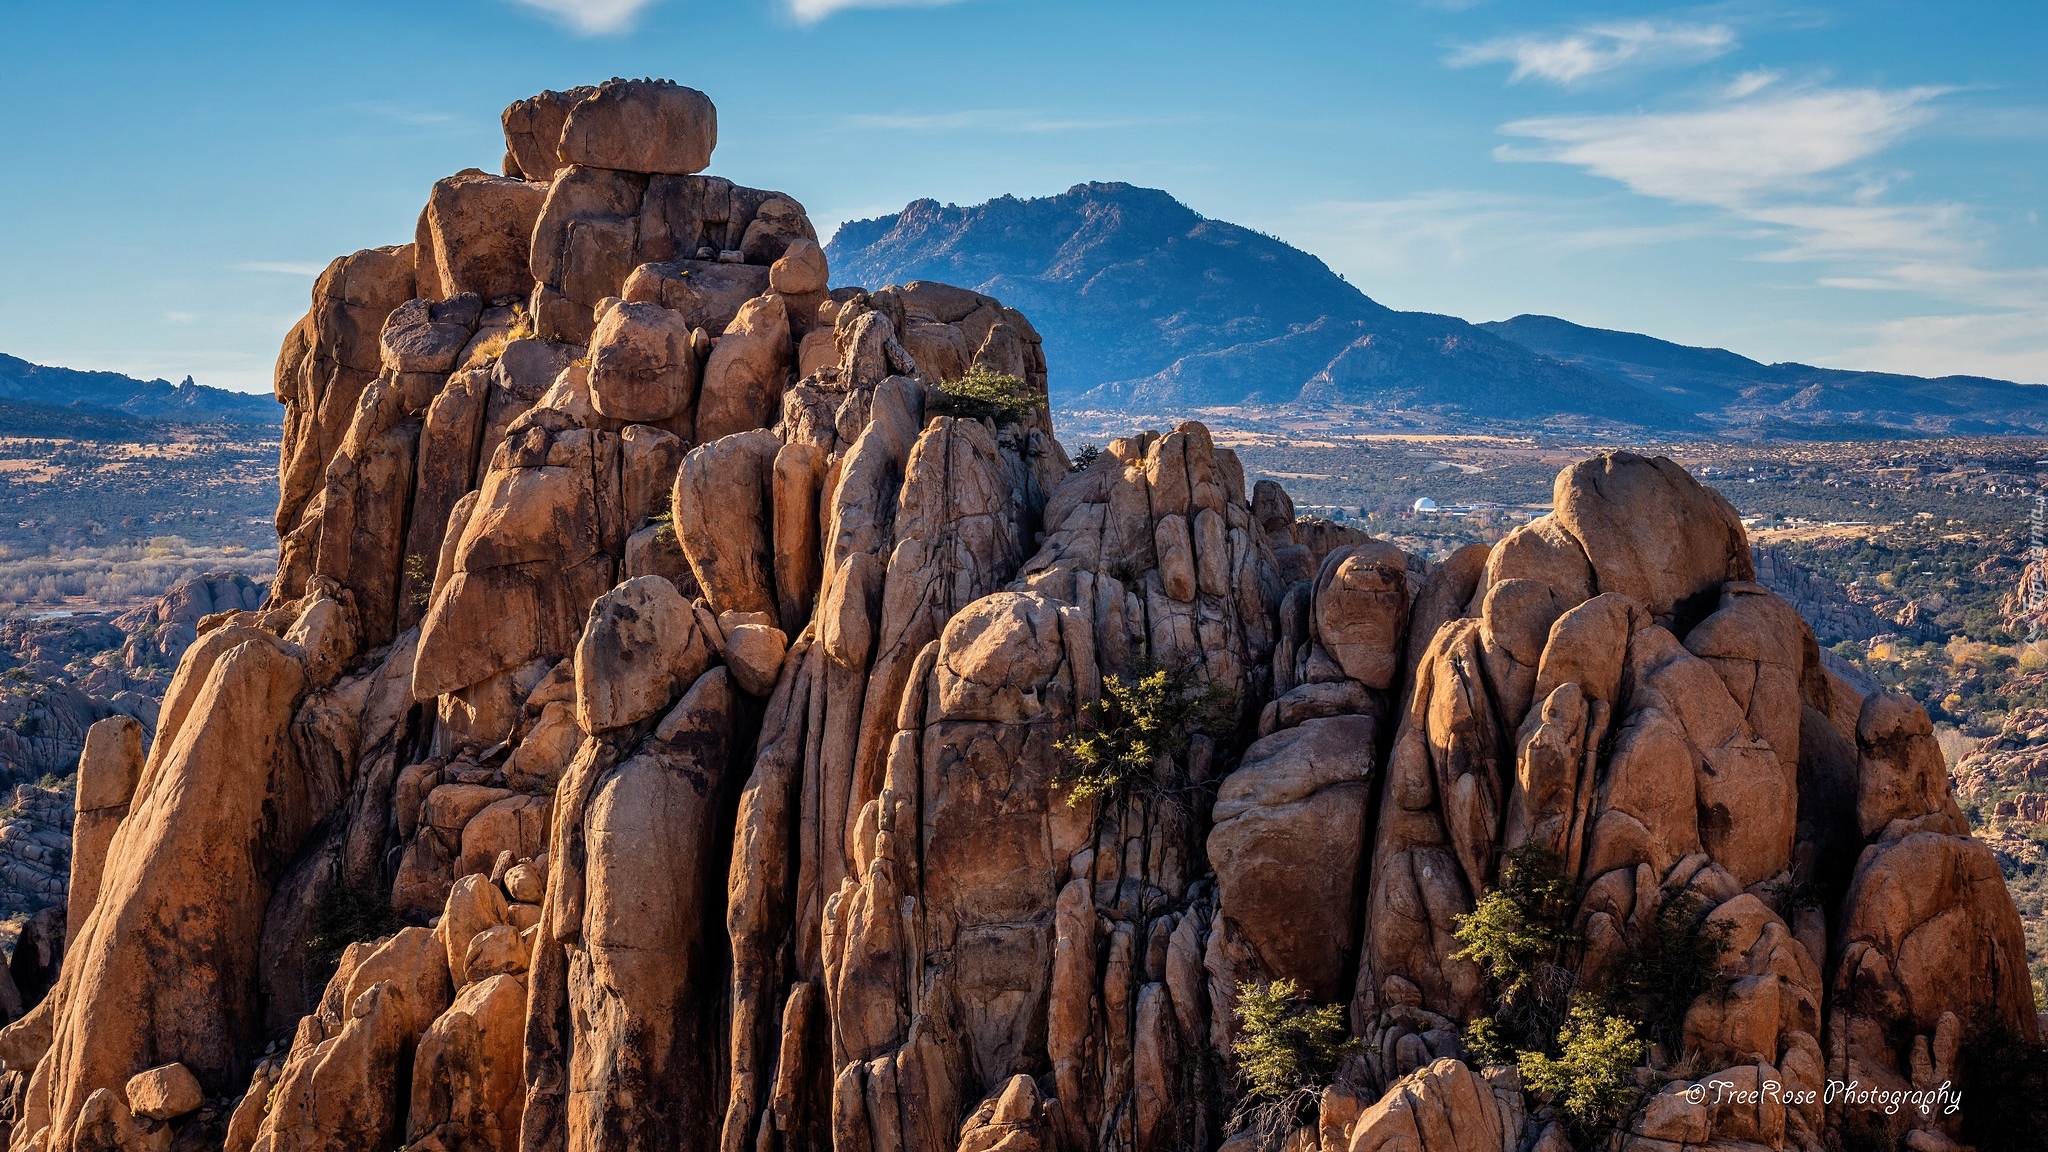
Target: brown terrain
[660, 733]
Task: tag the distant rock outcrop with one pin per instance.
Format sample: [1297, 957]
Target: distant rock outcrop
[589, 783]
[1826, 606]
[72, 675]
[36, 386]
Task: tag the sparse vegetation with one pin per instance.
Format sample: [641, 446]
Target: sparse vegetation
[1577, 1048]
[1677, 961]
[1088, 454]
[114, 523]
[1136, 736]
[1592, 1079]
[422, 576]
[347, 916]
[2001, 1067]
[1288, 1049]
[493, 347]
[985, 395]
[1520, 933]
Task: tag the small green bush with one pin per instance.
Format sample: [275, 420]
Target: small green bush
[986, 395]
[422, 577]
[1677, 961]
[1136, 735]
[347, 916]
[1520, 933]
[1288, 1049]
[1088, 454]
[1485, 1045]
[1593, 1076]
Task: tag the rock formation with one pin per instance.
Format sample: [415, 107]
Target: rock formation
[658, 737]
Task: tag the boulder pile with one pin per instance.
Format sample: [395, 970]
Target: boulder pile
[671, 728]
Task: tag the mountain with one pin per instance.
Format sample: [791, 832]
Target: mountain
[1145, 304]
[69, 389]
[1148, 306]
[1744, 391]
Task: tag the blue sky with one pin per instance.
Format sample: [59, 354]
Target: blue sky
[1850, 184]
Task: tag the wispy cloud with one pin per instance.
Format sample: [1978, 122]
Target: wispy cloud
[1799, 168]
[1569, 58]
[812, 11]
[2004, 343]
[1400, 240]
[591, 17]
[400, 114]
[1751, 142]
[995, 120]
[281, 267]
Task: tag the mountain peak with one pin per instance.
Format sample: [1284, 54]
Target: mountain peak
[1129, 279]
[1147, 305]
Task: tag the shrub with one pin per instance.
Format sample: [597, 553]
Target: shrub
[1520, 933]
[422, 577]
[1677, 961]
[347, 916]
[1593, 1076]
[1135, 736]
[494, 346]
[1288, 1048]
[985, 395]
[1485, 1045]
[1088, 454]
[2007, 1079]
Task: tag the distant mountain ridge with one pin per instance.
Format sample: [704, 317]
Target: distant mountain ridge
[111, 393]
[1145, 305]
[1746, 390]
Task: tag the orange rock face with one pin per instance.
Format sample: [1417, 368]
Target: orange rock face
[659, 736]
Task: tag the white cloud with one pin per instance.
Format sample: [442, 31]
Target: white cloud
[992, 120]
[591, 17]
[1398, 237]
[282, 267]
[812, 11]
[1571, 57]
[1795, 167]
[1827, 231]
[1749, 144]
[2007, 344]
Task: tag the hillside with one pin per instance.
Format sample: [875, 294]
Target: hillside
[1827, 401]
[1147, 307]
[28, 387]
